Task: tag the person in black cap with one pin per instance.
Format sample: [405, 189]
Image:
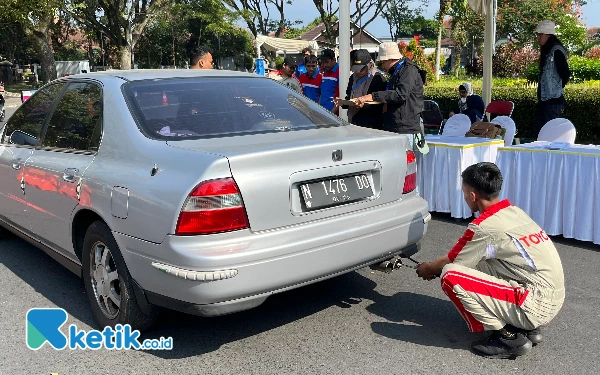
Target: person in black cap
[364, 80]
[285, 75]
[330, 88]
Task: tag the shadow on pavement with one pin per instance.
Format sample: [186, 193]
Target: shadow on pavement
[47, 277]
[421, 320]
[194, 336]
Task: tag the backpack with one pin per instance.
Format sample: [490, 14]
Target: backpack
[484, 130]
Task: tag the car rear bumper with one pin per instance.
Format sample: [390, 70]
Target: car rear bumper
[269, 262]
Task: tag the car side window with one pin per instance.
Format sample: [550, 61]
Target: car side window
[25, 125]
[76, 124]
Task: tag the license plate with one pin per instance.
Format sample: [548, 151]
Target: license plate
[336, 191]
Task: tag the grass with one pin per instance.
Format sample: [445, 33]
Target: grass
[17, 87]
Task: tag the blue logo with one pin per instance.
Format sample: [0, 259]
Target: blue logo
[43, 325]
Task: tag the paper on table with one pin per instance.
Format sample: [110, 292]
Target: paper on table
[352, 102]
[558, 145]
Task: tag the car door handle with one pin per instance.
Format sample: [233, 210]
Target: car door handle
[17, 163]
[70, 174]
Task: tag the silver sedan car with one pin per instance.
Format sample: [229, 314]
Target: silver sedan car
[200, 191]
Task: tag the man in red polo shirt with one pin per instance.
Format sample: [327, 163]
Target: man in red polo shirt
[504, 274]
[311, 80]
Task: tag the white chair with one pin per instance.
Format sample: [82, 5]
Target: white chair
[508, 124]
[457, 125]
[558, 130]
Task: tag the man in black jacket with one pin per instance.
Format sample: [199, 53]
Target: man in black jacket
[403, 95]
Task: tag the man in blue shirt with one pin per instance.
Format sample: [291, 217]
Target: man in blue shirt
[330, 88]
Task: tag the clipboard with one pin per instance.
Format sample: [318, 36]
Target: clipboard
[352, 103]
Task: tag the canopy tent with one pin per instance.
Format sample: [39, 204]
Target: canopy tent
[487, 8]
[285, 45]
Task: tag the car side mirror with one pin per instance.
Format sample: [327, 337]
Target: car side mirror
[20, 138]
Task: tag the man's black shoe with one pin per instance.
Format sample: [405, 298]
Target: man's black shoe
[503, 344]
[534, 335]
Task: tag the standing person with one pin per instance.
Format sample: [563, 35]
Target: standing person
[554, 75]
[311, 80]
[201, 58]
[285, 75]
[504, 274]
[330, 88]
[301, 69]
[469, 103]
[364, 80]
[403, 93]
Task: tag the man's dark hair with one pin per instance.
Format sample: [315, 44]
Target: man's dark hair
[485, 178]
[310, 59]
[198, 53]
[307, 49]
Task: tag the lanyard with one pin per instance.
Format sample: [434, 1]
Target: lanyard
[395, 71]
[360, 81]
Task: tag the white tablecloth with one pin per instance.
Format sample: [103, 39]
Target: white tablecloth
[559, 189]
[439, 171]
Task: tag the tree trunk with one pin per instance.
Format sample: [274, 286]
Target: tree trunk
[125, 57]
[40, 35]
[438, 52]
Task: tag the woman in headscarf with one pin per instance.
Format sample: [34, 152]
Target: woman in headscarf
[364, 80]
[470, 104]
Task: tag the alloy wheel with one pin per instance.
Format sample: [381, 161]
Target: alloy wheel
[105, 280]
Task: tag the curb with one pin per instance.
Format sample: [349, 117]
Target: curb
[8, 94]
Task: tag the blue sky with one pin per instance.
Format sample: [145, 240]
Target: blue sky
[305, 10]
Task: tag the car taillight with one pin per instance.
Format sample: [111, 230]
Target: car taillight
[212, 207]
[410, 181]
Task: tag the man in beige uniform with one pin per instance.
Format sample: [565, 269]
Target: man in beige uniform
[504, 274]
[285, 75]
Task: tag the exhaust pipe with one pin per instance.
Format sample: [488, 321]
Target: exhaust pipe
[388, 265]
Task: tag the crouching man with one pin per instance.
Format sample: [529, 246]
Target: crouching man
[504, 274]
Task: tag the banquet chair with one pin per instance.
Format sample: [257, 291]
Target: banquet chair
[457, 126]
[558, 130]
[500, 108]
[509, 126]
[432, 117]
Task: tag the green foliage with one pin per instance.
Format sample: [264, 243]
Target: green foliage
[583, 104]
[583, 69]
[182, 26]
[294, 32]
[405, 21]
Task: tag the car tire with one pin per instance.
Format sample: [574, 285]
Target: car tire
[106, 277]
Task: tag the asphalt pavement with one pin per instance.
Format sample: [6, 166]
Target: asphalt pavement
[364, 322]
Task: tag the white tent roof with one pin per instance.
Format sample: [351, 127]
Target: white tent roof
[285, 45]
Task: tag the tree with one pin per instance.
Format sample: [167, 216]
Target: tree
[400, 18]
[184, 25]
[366, 12]
[13, 42]
[444, 6]
[37, 17]
[257, 15]
[518, 19]
[122, 21]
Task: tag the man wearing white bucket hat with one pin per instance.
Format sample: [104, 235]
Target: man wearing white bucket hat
[403, 95]
[554, 74]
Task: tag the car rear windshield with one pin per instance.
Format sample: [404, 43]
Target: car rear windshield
[180, 109]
